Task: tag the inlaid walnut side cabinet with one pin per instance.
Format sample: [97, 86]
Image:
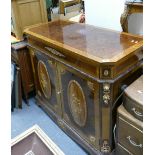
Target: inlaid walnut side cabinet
[79, 71]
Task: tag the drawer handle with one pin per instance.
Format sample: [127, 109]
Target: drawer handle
[137, 113]
[133, 143]
[53, 51]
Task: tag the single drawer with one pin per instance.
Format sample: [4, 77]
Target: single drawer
[134, 108]
[129, 132]
[133, 99]
[120, 150]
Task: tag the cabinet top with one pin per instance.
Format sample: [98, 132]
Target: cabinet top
[98, 44]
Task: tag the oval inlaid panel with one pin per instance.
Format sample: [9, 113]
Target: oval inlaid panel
[77, 103]
[44, 79]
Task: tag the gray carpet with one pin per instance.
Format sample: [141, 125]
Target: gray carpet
[22, 119]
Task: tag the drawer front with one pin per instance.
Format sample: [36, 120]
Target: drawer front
[120, 150]
[78, 104]
[72, 59]
[130, 137]
[133, 107]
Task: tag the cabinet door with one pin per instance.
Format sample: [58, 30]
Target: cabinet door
[78, 103]
[46, 82]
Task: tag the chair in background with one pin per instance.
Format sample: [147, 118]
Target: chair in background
[130, 8]
[68, 4]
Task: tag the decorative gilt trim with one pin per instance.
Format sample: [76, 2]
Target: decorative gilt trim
[106, 87]
[92, 139]
[32, 52]
[51, 62]
[106, 72]
[90, 85]
[44, 82]
[55, 52]
[62, 70]
[77, 108]
[61, 124]
[105, 147]
[106, 93]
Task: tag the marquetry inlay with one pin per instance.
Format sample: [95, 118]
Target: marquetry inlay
[90, 85]
[106, 93]
[77, 103]
[92, 139]
[44, 79]
[62, 70]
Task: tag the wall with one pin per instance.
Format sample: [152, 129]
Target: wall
[135, 23]
[106, 13]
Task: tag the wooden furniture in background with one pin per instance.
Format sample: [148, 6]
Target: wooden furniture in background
[129, 129]
[79, 71]
[133, 99]
[129, 9]
[21, 57]
[25, 13]
[129, 133]
[66, 3]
